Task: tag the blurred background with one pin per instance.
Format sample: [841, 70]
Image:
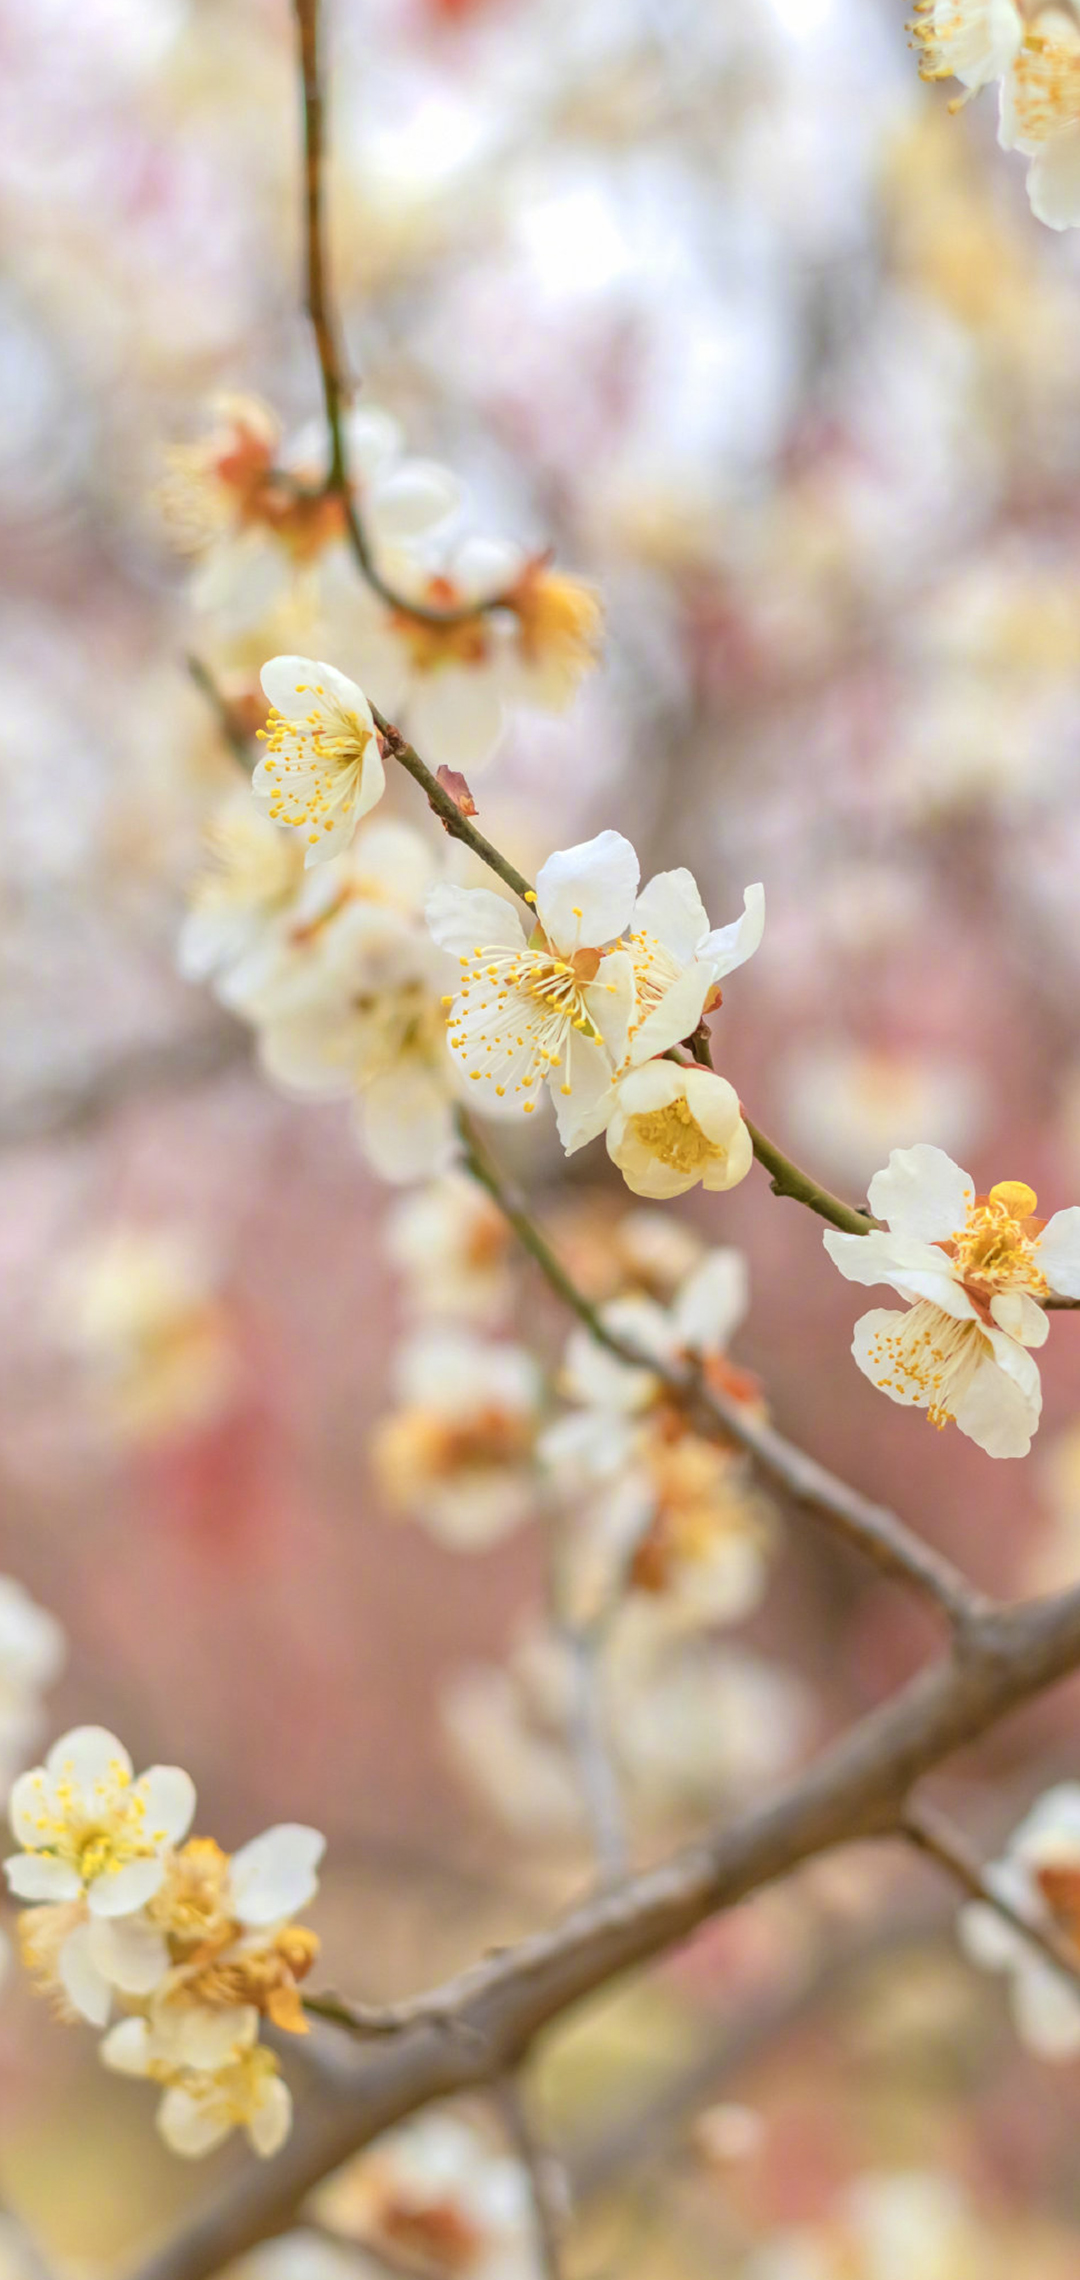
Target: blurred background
[724, 306]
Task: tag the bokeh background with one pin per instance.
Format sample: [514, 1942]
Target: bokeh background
[722, 304]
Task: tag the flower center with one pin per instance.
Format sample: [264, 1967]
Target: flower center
[518, 1025]
[929, 1358]
[97, 1834]
[317, 763]
[997, 1247]
[673, 1134]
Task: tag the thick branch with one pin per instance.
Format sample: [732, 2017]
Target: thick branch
[480, 2025]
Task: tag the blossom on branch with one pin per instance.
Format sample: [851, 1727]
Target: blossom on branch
[1039, 1877]
[671, 1127]
[975, 1269]
[452, 1247]
[216, 2079]
[435, 2198]
[322, 769]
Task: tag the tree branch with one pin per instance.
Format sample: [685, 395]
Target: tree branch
[545, 2179]
[480, 2025]
[933, 1834]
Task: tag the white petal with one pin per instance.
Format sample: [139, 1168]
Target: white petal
[188, 2127]
[1046, 2009]
[128, 1953]
[677, 1015]
[373, 439]
[671, 908]
[201, 2036]
[1017, 1313]
[31, 1797]
[1001, 1407]
[127, 2048]
[1053, 181]
[271, 2122]
[880, 1323]
[39, 1877]
[906, 1262]
[276, 1873]
[1053, 1824]
[922, 1193]
[728, 947]
[713, 1301]
[83, 1983]
[122, 1890]
[86, 1755]
[1059, 1252]
[465, 919]
[169, 1796]
[311, 1054]
[287, 684]
[583, 1113]
[405, 1123]
[988, 1939]
[585, 894]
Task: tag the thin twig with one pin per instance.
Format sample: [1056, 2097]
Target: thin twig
[880, 1535]
[589, 1748]
[934, 1834]
[546, 2187]
[239, 745]
[447, 809]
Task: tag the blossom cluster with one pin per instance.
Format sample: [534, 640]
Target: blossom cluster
[455, 631]
[182, 1947]
[1034, 55]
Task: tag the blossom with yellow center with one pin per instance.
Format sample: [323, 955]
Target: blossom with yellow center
[672, 1127]
[554, 1009]
[559, 631]
[89, 1828]
[216, 2078]
[458, 1451]
[253, 875]
[322, 769]
[975, 1269]
[453, 1249]
[138, 1308]
[679, 960]
[973, 41]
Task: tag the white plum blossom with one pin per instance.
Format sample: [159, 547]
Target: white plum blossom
[322, 770]
[313, 948]
[670, 1127]
[974, 1269]
[1040, 115]
[555, 1008]
[458, 1450]
[451, 1245]
[218, 2077]
[680, 961]
[254, 873]
[1039, 1877]
[974, 41]
[139, 1308]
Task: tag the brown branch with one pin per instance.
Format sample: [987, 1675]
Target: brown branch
[546, 2188]
[933, 1834]
[480, 2025]
[880, 1535]
[439, 800]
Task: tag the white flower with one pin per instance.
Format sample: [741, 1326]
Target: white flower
[218, 2078]
[256, 870]
[673, 1126]
[433, 2195]
[974, 41]
[311, 951]
[375, 1031]
[32, 1654]
[1039, 1876]
[322, 769]
[974, 1268]
[679, 961]
[458, 1452]
[697, 1724]
[555, 1009]
[451, 684]
[94, 1835]
[451, 1245]
[847, 1104]
[1040, 115]
[138, 1306]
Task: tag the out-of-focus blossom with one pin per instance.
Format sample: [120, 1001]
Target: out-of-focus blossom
[1039, 1877]
[974, 41]
[555, 1009]
[846, 1105]
[436, 2196]
[322, 769]
[1040, 115]
[672, 1127]
[913, 2222]
[452, 1247]
[215, 2081]
[140, 1309]
[458, 1451]
[32, 1654]
[974, 1268]
[253, 876]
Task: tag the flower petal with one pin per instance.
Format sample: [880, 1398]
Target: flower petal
[84, 1985]
[86, 1755]
[121, 1891]
[1046, 2008]
[38, 1876]
[465, 919]
[1020, 1316]
[871, 1328]
[585, 894]
[276, 1873]
[168, 1794]
[1001, 1407]
[583, 1113]
[405, 1124]
[730, 946]
[677, 1015]
[417, 497]
[610, 1000]
[1053, 181]
[127, 1952]
[671, 908]
[127, 2047]
[922, 1193]
[456, 716]
[271, 2121]
[1059, 1252]
[288, 682]
[190, 2127]
[712, 1301]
